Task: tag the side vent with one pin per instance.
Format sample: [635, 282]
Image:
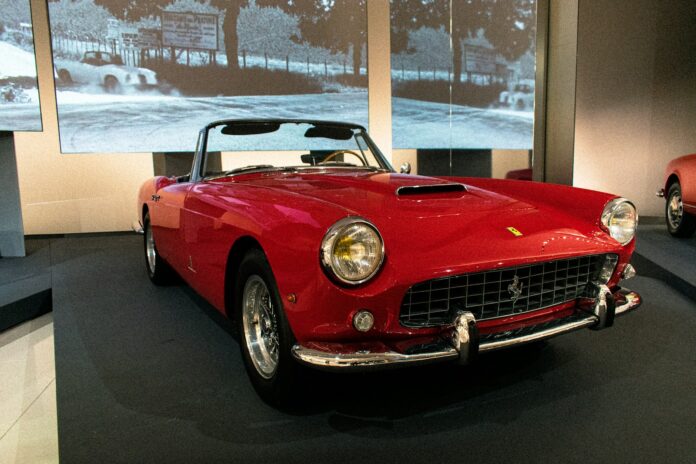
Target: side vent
[429, 189]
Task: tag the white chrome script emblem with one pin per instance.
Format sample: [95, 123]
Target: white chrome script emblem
[515, 289]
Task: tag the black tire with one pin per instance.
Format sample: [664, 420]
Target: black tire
[158, 270]
[679, 223]
[112, 85]
[65, 77]
[276, 388]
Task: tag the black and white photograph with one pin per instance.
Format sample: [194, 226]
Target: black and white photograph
[134, 76]
[463, 72]
[19, 92]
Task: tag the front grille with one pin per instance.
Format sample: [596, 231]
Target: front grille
[491, 294]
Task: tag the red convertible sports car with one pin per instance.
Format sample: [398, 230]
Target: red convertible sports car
[324, 256]
[680, 192]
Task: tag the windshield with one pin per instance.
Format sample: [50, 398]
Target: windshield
[267, 145]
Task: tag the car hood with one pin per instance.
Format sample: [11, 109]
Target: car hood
[439, 219]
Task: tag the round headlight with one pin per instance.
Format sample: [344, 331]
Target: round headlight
[620, 220]
[352, 251]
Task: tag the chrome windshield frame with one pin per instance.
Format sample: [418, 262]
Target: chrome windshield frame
[197, 172]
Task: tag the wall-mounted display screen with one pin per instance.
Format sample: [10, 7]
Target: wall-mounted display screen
[140, 76]
[463, 73]
[19, 91]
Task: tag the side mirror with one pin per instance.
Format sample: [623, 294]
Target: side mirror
[405, 168]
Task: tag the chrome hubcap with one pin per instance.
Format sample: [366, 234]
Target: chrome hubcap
[675, 211]
[150, 249]
[260, 324]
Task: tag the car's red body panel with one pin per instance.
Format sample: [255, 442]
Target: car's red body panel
[520, 174]
[196, 226]
[683, 169]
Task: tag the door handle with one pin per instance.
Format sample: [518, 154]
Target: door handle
[155, 198]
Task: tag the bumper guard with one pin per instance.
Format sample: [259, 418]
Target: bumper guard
[465, 342]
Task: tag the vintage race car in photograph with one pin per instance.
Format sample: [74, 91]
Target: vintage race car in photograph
[302, 233]
[104, 69]
[680, 192]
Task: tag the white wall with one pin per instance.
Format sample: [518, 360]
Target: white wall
[635, 96]
[71, 193]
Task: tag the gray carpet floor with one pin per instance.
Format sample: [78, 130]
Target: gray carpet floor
[147, 374]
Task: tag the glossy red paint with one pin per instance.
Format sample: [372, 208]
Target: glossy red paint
[683, 169]
[196, 225]
[520, 174]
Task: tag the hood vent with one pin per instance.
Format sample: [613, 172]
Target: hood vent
[429, 189]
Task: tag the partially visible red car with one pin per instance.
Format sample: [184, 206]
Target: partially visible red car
[519, 174]
[326, 257]
[680, 192]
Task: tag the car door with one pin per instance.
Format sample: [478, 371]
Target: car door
[207, 238]
[166, 217]
[206, 233]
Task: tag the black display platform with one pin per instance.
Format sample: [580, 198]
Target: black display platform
[25, 285]
[670, 259]
[147, 374]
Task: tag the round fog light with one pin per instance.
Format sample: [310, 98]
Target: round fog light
[363, 321]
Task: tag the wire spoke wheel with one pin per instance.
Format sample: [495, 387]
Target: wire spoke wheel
[675, 210]
[150, 251]
[260, 324]
[679, 222]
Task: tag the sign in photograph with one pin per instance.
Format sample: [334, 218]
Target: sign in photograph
[481, 60]
[464, 72]
[190, 30]
[149, 38]
[144, 76]
[19, 90]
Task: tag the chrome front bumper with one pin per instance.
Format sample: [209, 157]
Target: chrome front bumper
[465, 342]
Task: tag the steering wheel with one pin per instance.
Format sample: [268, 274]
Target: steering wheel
[336, 153]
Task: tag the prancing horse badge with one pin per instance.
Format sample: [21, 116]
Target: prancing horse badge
[515, 289]
[514, 232]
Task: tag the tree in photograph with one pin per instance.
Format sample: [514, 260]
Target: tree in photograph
[13, 12]
[511, 26]
[83, 19]
[133, 10]
[269, 31]
[508, 25]
[408, 16]
[232, 9]
[339, 25]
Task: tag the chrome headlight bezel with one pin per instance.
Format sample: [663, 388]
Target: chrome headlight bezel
[611, 209]
[328, 244]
